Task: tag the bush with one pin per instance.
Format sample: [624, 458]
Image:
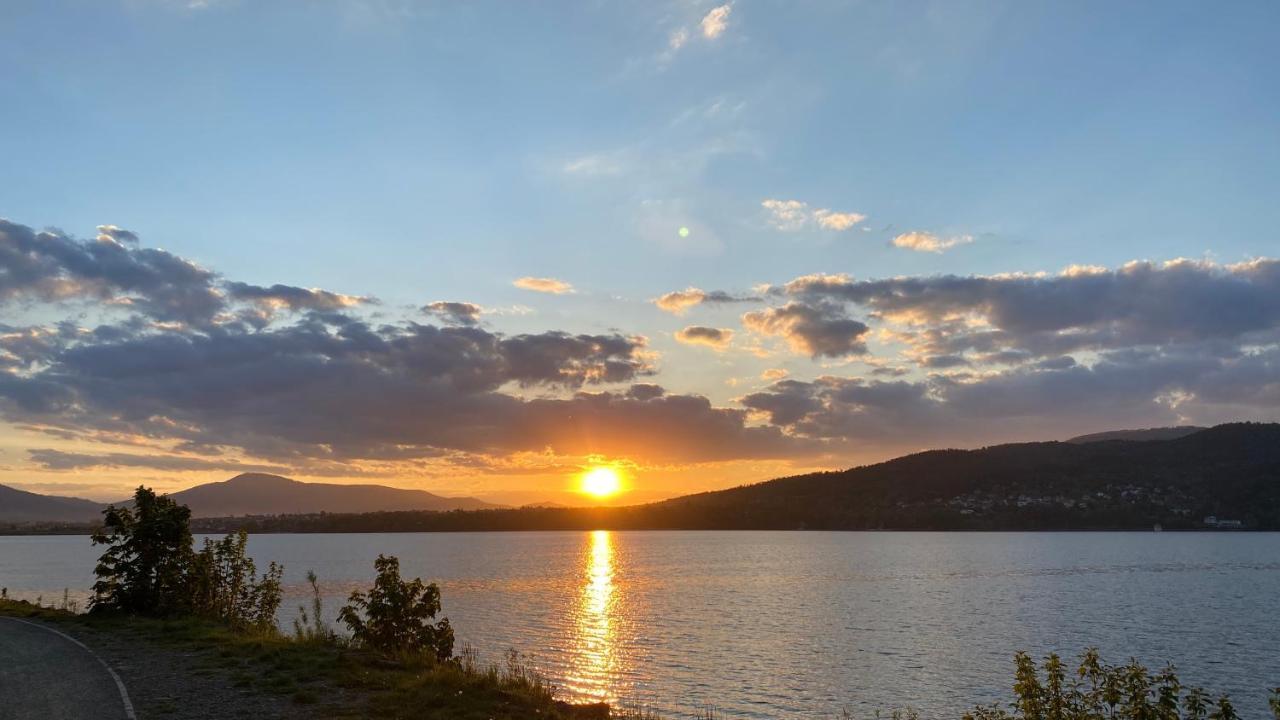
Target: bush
[395, 616]
[1096, 690]
[224, 586]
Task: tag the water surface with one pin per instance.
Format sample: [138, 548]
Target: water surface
[801, 624]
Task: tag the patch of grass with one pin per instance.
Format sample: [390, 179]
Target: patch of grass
[341, 681]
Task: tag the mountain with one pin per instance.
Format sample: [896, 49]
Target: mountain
[20, 506]
[1230, 471]
[262, 494]
[1164, 433]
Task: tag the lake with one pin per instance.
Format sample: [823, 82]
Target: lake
[801, 624]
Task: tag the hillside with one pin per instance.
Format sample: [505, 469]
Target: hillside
[1164, 433]
[20, 506]
[262, 494]
[1231, 471]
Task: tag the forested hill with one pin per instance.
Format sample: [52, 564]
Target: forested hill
[1229, 471]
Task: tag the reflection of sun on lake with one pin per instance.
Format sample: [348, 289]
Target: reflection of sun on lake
[595, 643]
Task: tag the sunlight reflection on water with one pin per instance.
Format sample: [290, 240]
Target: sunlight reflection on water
[592, 671]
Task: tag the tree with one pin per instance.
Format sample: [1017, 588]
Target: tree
[395, 616]
[144, 569]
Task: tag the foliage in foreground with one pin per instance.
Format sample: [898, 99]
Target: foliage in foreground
[145, 568]
[1097, 691]
[395, 615]
[150, 567]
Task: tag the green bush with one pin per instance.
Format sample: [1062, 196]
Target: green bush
[1097, 691]
[395, 616]
[223, 585]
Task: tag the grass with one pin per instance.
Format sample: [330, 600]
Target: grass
[334, 681]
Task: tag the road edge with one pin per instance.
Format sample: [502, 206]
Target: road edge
[124, 694]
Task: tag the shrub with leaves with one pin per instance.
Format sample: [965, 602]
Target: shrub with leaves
[224, 585]
[144, 569]
[1096, 691]
[395, 617]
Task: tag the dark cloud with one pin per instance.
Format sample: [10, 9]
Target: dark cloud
[293, 298]
[818, 329]
[50, 459]
[285, 376]
[1141, 303]
[645, 391]
[944, 361]
[48, 266]
[1048, 399]
[456, 313]
[330, 388]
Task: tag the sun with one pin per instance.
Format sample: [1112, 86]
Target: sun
[600, 482]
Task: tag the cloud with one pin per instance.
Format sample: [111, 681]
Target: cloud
[1180, 302]
[48, 266]
[293, 298]
[456, 313]
[111, 233]
[819, 330]
[130, 346]
[928, 242]
[837, 221]
[596, 165]
[714, 22]
[678, 302]
[794, 215]
[677, 39]
[1127, 389]
[715, 338]
[325, 389]
[50, 459]
[543, 285]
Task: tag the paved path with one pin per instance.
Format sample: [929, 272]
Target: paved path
[46, 675]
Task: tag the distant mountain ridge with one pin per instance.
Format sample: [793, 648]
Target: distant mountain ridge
[1164, 433]
[20, 506]
[245, 494]
[263, 494]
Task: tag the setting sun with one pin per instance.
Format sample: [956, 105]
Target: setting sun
[601, 482]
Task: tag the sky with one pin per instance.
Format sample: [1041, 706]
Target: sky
[479, 248]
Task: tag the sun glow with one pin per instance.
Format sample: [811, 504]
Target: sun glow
[600, 482]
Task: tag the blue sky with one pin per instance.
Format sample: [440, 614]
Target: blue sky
[422, 151]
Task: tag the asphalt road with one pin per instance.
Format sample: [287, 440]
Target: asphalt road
[46, 675]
